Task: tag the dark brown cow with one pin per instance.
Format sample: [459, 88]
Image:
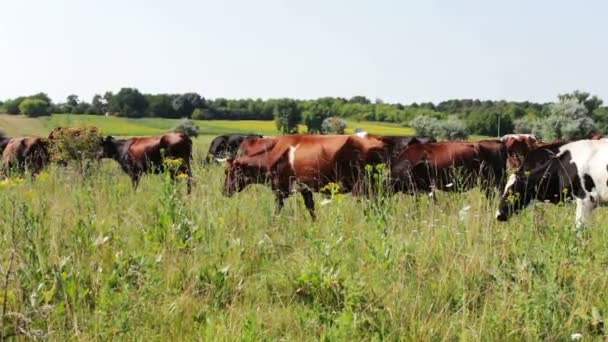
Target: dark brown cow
[142, 155]
[450, 166]
[4, 140]
[25, 154]
[304, 163]
[518, 146]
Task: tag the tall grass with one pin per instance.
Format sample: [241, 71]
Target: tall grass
[91, 259]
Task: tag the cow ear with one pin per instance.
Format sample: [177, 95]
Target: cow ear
[109, 138]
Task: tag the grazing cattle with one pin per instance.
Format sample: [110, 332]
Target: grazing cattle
[4, 140]
[226, 146]
[304, 163]
[24, 154]
[518, 146]
[450, 166]
[397, 143]
[578, 170]
[142, 155]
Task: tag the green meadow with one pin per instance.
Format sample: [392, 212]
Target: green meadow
[91, 259]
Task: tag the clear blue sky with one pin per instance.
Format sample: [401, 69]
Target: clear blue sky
[401, 51]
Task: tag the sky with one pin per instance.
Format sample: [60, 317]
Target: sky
[395, 50]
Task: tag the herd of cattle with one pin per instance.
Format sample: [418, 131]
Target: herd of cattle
[518, 164]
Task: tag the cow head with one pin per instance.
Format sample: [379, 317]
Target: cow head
[108, 148]
[516, 196]
[239, 174]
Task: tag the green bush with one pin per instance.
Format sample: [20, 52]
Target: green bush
[333, 125]
[34, 107]
[449, 129]
[12, 106]
[188, 127]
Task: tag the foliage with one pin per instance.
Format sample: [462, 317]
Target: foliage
[75, 145]
[161, 106]
[34, 107]
[129, 102]
[188, 127]
[569, 118]
[316, 113]
[333, 125]
[12, 106]
[449, 129]
[287, 115]
[185, 104]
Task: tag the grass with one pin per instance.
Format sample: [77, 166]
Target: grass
[91, 259]
[21, 125]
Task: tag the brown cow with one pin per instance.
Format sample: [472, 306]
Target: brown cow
[450, 166]
[25, 154]
[518, 146]
[304, 163]
[142, 155]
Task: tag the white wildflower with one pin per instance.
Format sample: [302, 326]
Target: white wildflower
[576, 336]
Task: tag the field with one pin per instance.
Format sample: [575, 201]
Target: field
[88, 259]
[21, 125]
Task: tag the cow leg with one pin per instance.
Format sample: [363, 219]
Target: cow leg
[280, 201]
[310, 203]
[135, 181]
[584, 207]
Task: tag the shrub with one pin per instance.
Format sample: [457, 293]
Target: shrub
[34, 107]
[12, 106]
[567, 119]
[333, 125]
[188, 127]
[425, 125]
[79, 145]
[449, 129]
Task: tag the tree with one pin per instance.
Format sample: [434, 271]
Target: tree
[34, 107]
[359, 99]
[316, 113]
[129, 102]
[185, 104]
[161, 106]
[72, 101]
[99, 105]
[12, 106]
[590, 102]
[287, 115]
[491, 123]
[569, 119]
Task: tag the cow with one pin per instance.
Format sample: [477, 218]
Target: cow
[578, 170]
[4, 140]
[518, 145]
[304, 163]
[24, 154]
[226, 146]
[140, 155]
[450, 166]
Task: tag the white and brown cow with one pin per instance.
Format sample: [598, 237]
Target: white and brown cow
[578, 170]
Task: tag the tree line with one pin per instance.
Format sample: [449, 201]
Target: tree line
[571, 114]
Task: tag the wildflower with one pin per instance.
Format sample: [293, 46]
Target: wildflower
[576, 336]
[462, 214]
[182, 176]
[101, 240]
